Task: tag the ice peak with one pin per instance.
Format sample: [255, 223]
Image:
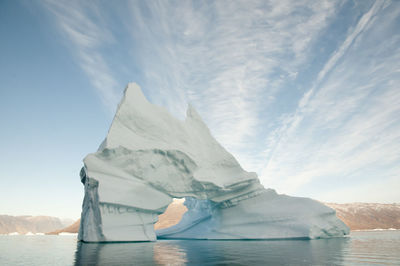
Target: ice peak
[192, 113]
[134, 94]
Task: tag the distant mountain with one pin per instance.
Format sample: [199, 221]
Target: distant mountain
[73, 228]
[172, 215]
[365, 216]
[26, 224]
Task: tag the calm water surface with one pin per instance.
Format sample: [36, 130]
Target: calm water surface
[375, 247]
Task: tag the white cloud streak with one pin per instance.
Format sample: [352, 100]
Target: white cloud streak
[346, 130]
[83, 24]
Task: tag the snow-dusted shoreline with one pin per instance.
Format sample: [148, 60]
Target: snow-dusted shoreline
[38, 234]
[375, 230]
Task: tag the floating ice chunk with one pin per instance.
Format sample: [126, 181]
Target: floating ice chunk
[67, 234]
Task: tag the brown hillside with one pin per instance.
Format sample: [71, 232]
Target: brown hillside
[73, 228]
[171, 216]
[25, 224]
[365, 216]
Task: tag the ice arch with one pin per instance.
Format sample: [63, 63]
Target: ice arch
[150, 157]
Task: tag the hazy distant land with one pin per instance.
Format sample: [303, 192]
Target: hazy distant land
[31, 224]
[368, 216]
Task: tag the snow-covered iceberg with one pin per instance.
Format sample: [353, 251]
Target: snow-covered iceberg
[150, 157]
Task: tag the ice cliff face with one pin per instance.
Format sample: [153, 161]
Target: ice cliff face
[150, 157]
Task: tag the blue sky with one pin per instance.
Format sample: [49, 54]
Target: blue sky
[305, 93]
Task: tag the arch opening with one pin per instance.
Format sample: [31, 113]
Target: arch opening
[172, 215]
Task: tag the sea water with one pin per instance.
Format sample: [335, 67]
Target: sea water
[360, 248]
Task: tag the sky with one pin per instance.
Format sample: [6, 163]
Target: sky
[304, 93]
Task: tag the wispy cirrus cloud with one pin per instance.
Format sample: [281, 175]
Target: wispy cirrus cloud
[83, 24]
[345, 131]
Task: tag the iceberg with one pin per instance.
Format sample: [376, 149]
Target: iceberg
[149, 157]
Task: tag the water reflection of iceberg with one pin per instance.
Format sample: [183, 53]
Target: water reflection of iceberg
[169, 253]
[139, 253]
[203, 252]
[279, 252]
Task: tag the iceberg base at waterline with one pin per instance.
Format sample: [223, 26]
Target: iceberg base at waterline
[265, 216]
[149, 157]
